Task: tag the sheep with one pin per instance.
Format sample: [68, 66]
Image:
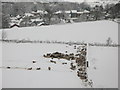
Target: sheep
[53, 61]
[49, 68]
[90, 83]
[83, 53]
[65, 51]
[77, 54]
[8, 67]
[29, 69]
[34, 61]
[86, 80]
[78, 74]
[47, 56]
[74, 47]
[38, 68]
[80, 69]
[64, 63]
[83, 77]
[73, 67]
[71, 54]
[87, 64]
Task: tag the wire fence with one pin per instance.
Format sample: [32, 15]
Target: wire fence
[61, 42]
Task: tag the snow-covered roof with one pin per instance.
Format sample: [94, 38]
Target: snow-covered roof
[40, 23]
[13, 18]
[79, 12]
[45, 12]
[37, 19]
[42, 11]
[15, 21]
[74, 11]
[14, 24]
[28, 14]
[107, 15]
[58, 12]
[18, 16]
[39, 11]
[67, 11]
[86, 11]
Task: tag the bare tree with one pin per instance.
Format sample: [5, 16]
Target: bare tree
[50, 9]
[4, 35]
[109, 41]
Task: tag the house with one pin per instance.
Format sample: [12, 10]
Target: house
[14, 25]
[73, 13]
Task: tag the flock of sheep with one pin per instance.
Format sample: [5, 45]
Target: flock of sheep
[80, 62]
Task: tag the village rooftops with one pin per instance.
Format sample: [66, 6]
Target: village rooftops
[40, 12]
[73, 11]
[28, 14]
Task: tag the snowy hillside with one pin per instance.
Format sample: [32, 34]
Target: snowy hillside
[97, 31]
[103, 61]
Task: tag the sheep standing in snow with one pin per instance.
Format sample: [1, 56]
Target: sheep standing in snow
[64, 63]
[38, 68]
[90, 83]
[53, 61]
[29, 69]
[34, 61]
[49, 68]
[73, 67]
[8, 67]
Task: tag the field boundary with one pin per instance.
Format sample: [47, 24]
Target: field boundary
[60, 42]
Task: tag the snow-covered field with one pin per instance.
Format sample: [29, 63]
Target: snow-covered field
[22, 56]
[97, 31]
[103, 61]
[103, 68]
[0, 65]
